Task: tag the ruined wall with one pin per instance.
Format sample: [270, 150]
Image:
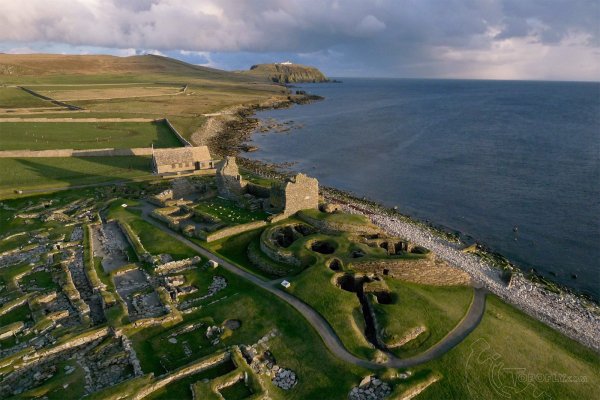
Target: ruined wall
[427, 271]
[261, 261]
[230, 183]
[301, 194]
[134, 241]
[182, 372]
[298, 193]
[259, 190]
[333, 227]
[176, 266]
[69, 344]
[88, 262]
[11, 305]
[274, 251]
[234, 230]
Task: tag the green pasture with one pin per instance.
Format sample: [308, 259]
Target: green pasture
[85, 135]
[13, 97]
[50, 173]
[436, 308]
[511, 355]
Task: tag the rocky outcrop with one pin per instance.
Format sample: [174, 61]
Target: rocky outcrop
[287, 73]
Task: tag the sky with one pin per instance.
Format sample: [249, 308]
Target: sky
[480, 39]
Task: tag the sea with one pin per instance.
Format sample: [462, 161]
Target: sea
[512, 165]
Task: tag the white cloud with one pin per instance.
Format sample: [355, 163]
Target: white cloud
[498, 38]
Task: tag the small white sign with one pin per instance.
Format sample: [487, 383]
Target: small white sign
[285, 284]
[124, 205]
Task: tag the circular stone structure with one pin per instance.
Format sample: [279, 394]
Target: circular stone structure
[322, 246]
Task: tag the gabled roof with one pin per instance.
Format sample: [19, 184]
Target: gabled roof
[181, 154]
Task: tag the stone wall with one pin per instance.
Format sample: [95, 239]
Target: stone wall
[11, 329]
[67, 345]
[274, 251]
[299, 193]
[258, 190]
[259, 259]
[11, 305]
[183, 372]
[427, 271]
[88, 263]
[230, 183]
[134, 241]
[334, 227]
[177, 134]
[108, 152]
[234, 230]
[176, 266]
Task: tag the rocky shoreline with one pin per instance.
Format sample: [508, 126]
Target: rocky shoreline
[225, 134]
[571, 314]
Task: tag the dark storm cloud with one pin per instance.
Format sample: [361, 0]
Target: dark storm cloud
[384, 37]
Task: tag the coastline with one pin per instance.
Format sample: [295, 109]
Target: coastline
[226, 131]
[572, 314]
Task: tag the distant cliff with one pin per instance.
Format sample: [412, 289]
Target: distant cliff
[286, 73]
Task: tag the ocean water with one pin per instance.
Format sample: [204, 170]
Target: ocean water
[479, 157]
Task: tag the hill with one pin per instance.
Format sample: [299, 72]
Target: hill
[42, 67]
[286, 73]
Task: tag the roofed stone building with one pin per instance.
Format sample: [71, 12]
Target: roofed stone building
[182, 160]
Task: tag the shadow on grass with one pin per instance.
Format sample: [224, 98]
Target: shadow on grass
[83, 170]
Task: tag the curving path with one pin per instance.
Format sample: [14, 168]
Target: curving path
[332, 341]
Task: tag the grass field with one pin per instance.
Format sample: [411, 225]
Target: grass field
[228, 211]
[42, 173]
[438, 309]
[511, 355]
[72, 93]
[141, 86]
[12, 97]
[85, 135]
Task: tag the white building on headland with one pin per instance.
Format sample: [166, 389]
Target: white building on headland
[285, 63]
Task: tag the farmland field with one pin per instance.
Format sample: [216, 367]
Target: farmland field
[12, 97]
[24, 173]
[84, 135]
[68, 93]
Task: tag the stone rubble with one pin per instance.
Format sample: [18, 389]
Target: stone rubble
[262, 361]
[370, 388]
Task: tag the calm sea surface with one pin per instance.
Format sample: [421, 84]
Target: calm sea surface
[479, 157]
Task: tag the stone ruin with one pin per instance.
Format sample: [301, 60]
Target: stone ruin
[180, 190]
[262, 361]
[370, 388]
[230, 183]
[298, 193]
